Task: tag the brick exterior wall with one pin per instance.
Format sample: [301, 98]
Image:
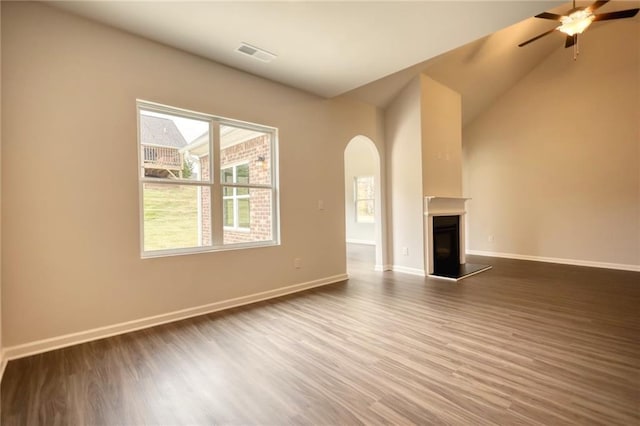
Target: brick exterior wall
[205, 203]
[260, 199]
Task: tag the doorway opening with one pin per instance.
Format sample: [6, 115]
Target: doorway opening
[363, 205]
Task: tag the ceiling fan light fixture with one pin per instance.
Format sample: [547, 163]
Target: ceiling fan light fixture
[576, 22]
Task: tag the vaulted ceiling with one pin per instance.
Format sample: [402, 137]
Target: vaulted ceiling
[484, 69]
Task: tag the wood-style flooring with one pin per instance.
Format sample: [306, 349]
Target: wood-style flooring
[524, 343]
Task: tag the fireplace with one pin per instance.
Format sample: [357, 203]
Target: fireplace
[445, 239]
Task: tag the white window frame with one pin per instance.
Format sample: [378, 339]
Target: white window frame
[214, 183]
[235, 197]
[357, 199]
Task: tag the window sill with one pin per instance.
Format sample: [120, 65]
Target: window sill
[210, 249]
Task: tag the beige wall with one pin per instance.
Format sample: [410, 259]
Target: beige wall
[441, 115]
[71, 213]
[360, 159]
[404, 178]
[553, 166]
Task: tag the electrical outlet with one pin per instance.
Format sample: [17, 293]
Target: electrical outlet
[405, 251]
[297, 263]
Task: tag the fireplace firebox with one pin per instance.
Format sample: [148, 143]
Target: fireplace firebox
[446, 245]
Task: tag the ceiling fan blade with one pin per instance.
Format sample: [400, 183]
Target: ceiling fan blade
[629, 13]
[537, 37]
[571, 40]
[597, 5]
[547, 15]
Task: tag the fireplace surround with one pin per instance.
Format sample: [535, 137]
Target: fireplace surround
[445, 239]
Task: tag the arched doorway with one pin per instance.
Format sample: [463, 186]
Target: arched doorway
[363, 205]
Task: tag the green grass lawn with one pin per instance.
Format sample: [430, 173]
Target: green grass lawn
[170, 217]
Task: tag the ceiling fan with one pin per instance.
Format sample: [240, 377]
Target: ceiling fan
[578, 19]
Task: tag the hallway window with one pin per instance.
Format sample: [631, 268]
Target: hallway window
[364, 199]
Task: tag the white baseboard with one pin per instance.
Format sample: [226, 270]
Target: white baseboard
[575, 262]
[32, 348]
[407, 270]
[365, 242]
[382, 268]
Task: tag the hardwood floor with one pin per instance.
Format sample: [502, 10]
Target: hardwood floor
[524, 343]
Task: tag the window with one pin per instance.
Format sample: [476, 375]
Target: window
[206, 183]
[364, 198]
[236, 199]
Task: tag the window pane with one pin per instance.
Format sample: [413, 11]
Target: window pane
[228, 212]
[255, 221]
[176, 216]
[227, 175]
[249, 150]
[365, 211]
[228, 192]
[173, 147]
[242, 191]
[364, 187]
[243, 213]
[242, 173]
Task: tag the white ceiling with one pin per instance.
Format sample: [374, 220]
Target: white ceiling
[326, 48]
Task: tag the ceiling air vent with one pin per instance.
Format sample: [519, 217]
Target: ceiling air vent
[256, 52]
